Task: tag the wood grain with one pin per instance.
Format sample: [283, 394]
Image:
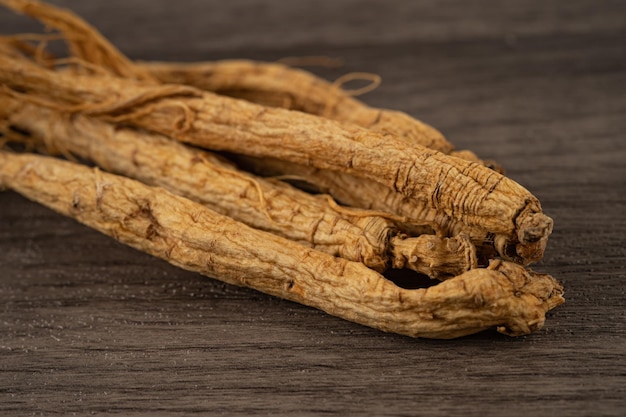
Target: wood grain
[90, 326]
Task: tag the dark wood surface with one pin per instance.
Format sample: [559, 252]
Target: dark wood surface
[88, 325]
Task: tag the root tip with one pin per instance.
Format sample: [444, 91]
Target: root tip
[534, 227]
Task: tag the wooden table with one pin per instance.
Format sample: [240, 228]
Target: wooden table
[91, 326]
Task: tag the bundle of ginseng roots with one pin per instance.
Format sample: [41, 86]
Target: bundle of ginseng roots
[125, 148]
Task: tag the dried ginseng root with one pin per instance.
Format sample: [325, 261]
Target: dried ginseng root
[466, 192]
[356, 235]
[279, 85]
[189, 235]
[369, 195]
[272, 84]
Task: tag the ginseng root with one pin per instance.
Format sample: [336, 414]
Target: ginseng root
[466, 192]
[189, 235]
[278, 85]
[369, 195]
[357, 235]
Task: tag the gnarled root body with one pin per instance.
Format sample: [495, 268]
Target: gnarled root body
[193, 237]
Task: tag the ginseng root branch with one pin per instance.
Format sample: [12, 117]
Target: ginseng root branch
[193, 237]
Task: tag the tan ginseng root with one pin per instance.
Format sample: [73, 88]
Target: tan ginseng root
[190, 236]
[464, 191]
[356, 235]
[279, 85]
[369, 195]
[271, 84]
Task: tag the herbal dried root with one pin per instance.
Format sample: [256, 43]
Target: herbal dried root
[466, 192]
[356, 235]
[278, 85]
[356, 192]
[190, 236]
